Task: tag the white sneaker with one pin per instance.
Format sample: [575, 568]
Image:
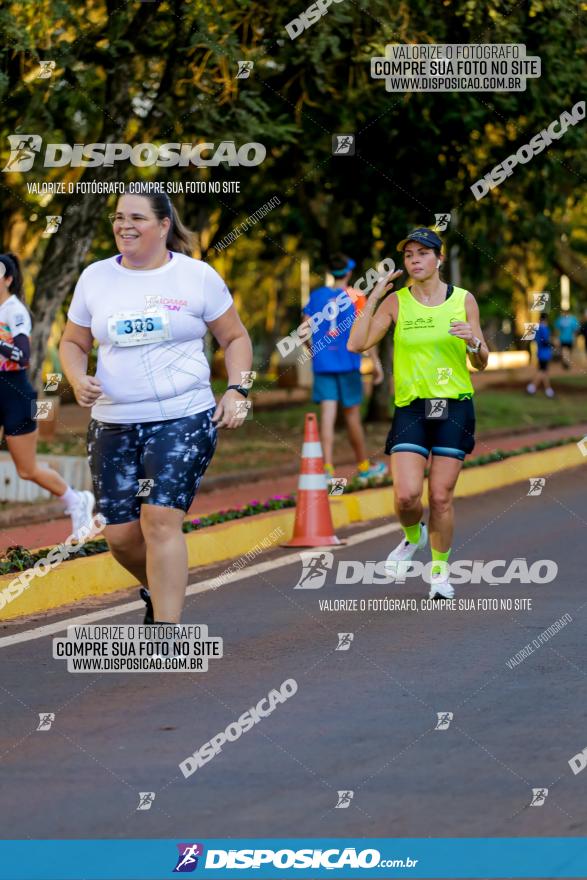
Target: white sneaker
[531, 388]
[81, 511]
[440, 588]
[549, 392]
[405, 551]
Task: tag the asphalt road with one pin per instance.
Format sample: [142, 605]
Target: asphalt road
[362, 720]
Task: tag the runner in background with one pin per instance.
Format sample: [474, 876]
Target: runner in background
[583, 332]
[544, 353]
[154, 421]
[435, 325]
[567, 327]
[17, 398]
[337, 371]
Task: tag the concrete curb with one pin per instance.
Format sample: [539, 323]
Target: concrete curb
[99, 575]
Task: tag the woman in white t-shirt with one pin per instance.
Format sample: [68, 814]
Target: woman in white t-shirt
[18, 398]
[154, 418]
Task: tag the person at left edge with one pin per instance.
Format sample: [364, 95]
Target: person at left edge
[154, 420]
[18, 397]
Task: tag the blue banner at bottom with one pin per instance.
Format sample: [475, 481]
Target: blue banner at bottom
[305, 858]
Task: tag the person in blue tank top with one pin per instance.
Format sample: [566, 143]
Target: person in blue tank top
[543, 340]
[330, 312]
[567, 327]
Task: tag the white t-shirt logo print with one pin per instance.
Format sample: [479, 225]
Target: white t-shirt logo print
[159, 371]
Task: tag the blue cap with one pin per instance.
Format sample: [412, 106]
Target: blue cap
[422, 235]
[340, 273]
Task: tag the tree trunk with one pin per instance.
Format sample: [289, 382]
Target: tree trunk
[67, 248]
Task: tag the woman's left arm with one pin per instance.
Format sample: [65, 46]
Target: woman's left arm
[231, 335]
[470, 331]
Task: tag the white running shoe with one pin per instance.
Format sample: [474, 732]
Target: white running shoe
[531, 388]
[440, 588]
[549, 392]
[81, 511]
[405, 551]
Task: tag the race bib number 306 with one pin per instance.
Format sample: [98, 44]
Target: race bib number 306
[138, 328]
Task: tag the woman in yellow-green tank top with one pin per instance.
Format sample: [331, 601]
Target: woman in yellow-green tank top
[436, 327]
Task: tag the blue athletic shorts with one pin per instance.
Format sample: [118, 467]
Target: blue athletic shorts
[163, 461]
[17, 396]
[345, 387]
[453, 436]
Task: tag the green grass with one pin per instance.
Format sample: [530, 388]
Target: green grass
[515, 409]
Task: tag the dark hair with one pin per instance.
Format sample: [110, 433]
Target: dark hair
[338, 261]
[179, 238]
[13, 271]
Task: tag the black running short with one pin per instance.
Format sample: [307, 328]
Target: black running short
[17, 397]
[158, 463]
[453, 435]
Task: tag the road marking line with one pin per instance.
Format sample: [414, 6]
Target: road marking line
[192, 589]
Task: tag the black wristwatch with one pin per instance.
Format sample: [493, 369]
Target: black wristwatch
[240, 389]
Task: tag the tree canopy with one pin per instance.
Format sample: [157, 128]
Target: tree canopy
[165, 72]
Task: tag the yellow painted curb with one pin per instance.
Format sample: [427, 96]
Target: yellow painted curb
[247, 537]
[474, 481]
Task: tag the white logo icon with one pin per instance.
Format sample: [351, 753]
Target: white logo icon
[443, 375]
[242, 408]
[42, 409]
[444, 719]
[437, 408]
[247, 378]
[344, 641]
[539, 301]
[539, 795]
[441, 222]
[46, 68]
[244, 69]
[46, 719]
[23, 149]
[536, 485]
[314, 570]
[343, 144]
[52, 381]
[53, 223]
[336, 485]
[529, 332]
[146, 799]
[145, 486]
[344, 799]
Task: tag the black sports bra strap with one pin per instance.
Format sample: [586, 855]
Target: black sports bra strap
[449, 290]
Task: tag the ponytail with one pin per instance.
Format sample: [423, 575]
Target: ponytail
[12, 264]
[179, 237]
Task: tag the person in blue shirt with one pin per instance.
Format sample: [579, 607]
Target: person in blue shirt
[567, 326]
[330, 313]
[543, 340]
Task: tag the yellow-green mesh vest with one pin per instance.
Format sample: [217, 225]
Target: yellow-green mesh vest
[427, 360]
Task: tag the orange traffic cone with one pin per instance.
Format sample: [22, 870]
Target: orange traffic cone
[313, 524]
